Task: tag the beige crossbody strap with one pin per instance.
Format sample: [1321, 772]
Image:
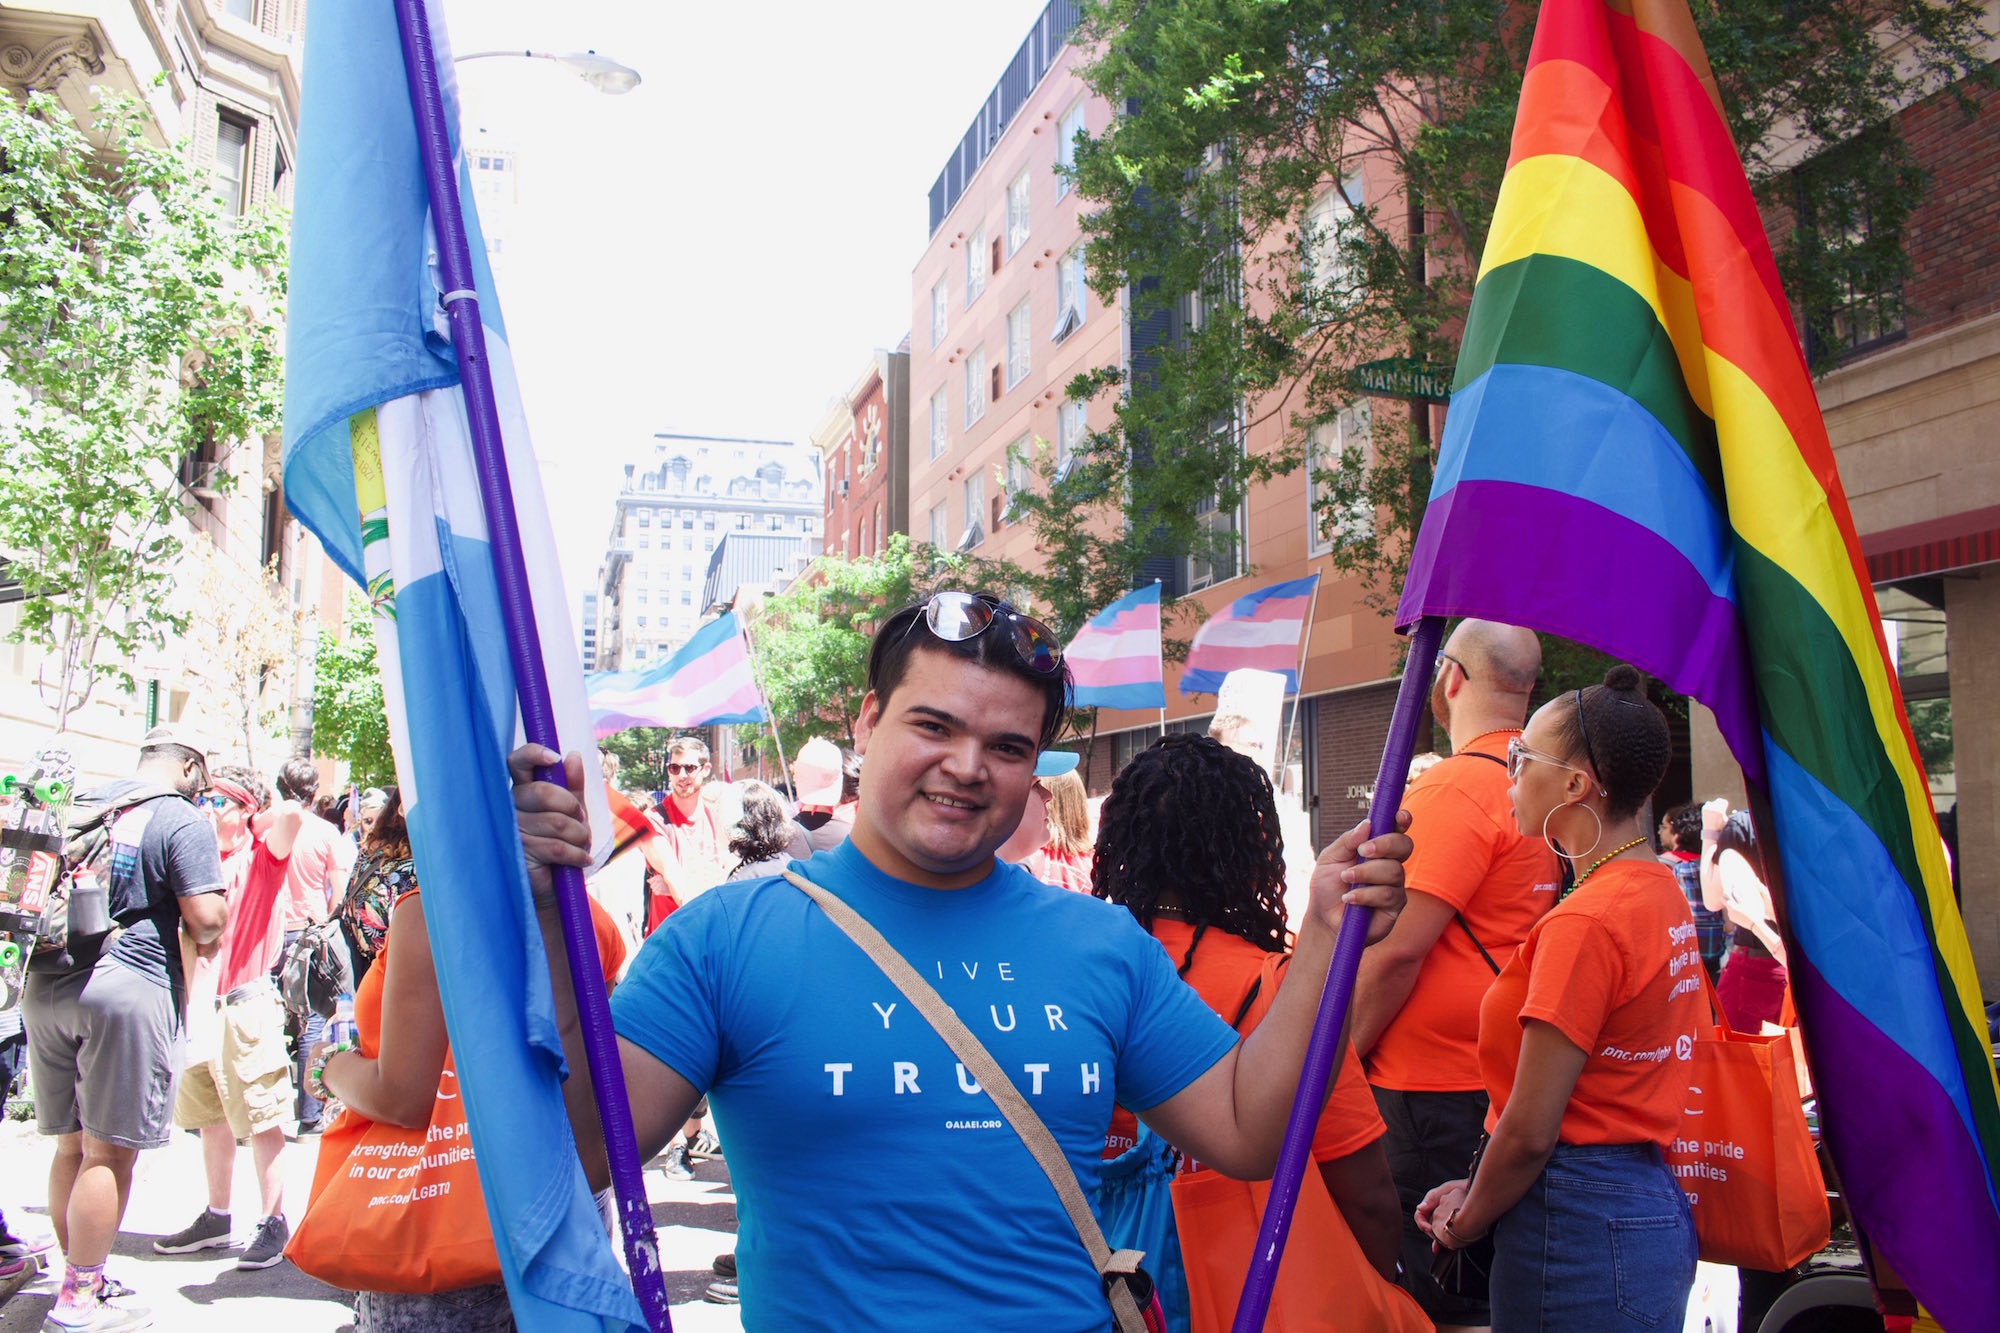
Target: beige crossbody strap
[1006, 1097]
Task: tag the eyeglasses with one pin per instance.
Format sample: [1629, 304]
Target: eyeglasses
[957, 617]
[1437, 667]
[1519, 754]
[214, 801]
[678, 769]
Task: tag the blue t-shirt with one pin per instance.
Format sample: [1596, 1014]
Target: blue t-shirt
[877, 1186]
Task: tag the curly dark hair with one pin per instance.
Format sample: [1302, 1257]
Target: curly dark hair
[1620, 733]
[765, 830]
[1192, 820]
[251, 781]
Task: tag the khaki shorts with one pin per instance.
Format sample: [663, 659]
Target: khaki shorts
[247, 1084]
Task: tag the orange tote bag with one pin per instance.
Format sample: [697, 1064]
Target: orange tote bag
[1744, 1156]
[1324, 1285]
[398, 1210]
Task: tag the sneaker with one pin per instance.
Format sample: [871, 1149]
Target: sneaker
[208, 1231]
[267, 1248]
[722, 1291]
[676, 1166]
[103, 1319]
[725, 1265]
[14, 1267]
[110, 1288]
[20, 1247]
[705, 1146]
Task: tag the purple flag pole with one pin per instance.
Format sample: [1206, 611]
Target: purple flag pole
[1333, 1000]
[531, 681]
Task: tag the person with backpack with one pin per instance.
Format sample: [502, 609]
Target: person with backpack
[1477, 885]
[105, 1014]
[1187, 843]
[238, 1083]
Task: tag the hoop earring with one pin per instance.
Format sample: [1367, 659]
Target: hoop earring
[1573, 857]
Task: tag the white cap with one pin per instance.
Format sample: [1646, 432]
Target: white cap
[816, 773]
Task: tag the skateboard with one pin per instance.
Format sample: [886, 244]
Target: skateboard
[34, 812]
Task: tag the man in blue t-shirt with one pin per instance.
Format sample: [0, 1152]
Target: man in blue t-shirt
[751, 995]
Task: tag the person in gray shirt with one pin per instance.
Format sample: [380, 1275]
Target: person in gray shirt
[104, 1038]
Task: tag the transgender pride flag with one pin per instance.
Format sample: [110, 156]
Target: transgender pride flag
[1114, 660]
[1258, 630]
[708, 682]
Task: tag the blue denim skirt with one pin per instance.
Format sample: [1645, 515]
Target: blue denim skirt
[1603, 1240]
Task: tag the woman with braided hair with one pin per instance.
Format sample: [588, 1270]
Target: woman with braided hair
[1188, 843]
[1584, 1042]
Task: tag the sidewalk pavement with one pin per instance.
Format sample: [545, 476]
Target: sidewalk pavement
[203, 1291]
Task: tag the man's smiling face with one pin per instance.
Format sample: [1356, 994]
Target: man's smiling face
[948, 761]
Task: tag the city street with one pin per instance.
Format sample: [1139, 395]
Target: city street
[696, 1219]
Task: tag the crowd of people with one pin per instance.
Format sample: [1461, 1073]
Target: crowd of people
[1144, 972]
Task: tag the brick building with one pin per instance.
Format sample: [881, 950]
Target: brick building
[864, 444]
[1913, 411]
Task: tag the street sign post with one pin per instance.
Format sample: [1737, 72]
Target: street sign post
[1402, 377]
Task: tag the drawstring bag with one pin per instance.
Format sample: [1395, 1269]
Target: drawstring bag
[1136, 1208]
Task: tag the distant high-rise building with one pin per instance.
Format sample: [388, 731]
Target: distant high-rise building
[672, 512]
[589, 638]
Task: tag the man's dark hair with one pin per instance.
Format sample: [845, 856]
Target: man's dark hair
[298, 780]
[173, 754]
[1192, 818]
[850, 775]
[906, 632]
[250, 780]
[764, 831]
[1685, 821]
[1620, 733]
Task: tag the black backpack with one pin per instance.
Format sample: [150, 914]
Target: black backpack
[76, 925]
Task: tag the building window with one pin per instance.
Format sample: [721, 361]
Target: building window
[940, 298]
[1067, 131]
[241, 9]
[639, 599]
[937, 423]
[774, 521]
[878, 528]
[639, 621]
[975, 385]
[975, 264]
[1017, 213]
[975, 504]
[1070, 426]
[686, 595]
[645, 542]
[232, 165]
[1341, 453]
[1223, 557]
[938, 521]
[1324, 277]
[742, 522]
[1863, 302]
[1069, 294]
[645, 518]
[1018, 358]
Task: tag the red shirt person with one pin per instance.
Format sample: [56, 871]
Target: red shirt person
[697, 841]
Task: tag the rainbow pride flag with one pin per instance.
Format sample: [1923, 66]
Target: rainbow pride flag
[1634, 458]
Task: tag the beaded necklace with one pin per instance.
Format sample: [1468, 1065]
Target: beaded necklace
[1614, 852]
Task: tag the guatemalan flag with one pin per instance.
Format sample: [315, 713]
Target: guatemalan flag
[707, 683]
[1114, 660]
[1260, 629]
[378, 463]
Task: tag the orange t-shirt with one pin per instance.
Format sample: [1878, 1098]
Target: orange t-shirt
[368, 995]
[1616, 969]
[1223, 970]
[1468, 854]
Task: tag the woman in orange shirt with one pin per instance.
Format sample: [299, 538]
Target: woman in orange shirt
[1584, 1042]
[1188, 843]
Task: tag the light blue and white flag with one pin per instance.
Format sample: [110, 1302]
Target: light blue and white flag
[378, 463]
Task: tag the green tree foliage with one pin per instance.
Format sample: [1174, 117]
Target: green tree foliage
[138, 328]
[349, 720]
[1209, 203]
[642, 757]
[812, 640]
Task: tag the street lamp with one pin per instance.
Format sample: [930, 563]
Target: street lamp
[600, 72]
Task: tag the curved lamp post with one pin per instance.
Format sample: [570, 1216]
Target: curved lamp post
[600, 72]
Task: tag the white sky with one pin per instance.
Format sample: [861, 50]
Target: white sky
[718, 251]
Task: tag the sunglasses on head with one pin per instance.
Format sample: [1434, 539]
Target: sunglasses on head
[957, 617]
[678, 769]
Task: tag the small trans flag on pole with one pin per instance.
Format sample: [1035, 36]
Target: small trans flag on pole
[708, 682]
[1259, 629]
[1114, 660]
